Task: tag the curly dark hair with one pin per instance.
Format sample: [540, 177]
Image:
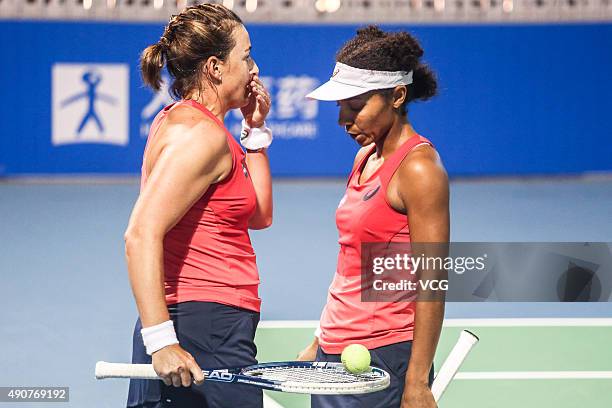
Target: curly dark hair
[375, 49]
[190, 38]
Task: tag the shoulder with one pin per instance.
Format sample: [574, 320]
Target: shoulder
[422, 176]
[190, 140]
[422, 162]
[189, 127]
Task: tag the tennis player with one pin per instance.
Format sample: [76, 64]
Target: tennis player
[190, 260]
[396, 192]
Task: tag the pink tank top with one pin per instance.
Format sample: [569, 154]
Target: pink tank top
[208, 254]
[364, 215]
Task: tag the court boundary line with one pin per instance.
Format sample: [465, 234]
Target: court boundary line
[484, 322]
[533, 375]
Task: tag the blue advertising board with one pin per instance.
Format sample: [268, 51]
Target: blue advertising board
[513, 99]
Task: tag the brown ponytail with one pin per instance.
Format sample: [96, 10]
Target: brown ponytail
[152, 62]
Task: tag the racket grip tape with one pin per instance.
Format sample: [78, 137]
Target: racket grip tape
[451, 365]
[119, 370]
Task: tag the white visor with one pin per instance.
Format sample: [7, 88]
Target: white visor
[347, 82]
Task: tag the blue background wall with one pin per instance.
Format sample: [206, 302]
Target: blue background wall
[520, 99]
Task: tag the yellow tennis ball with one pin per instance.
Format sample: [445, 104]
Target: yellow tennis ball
[356, 358]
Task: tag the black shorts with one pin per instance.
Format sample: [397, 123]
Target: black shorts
[217, 336]
[393, 359]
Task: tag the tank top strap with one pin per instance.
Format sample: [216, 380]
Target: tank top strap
[359, 165]
[160, 118]
[392, 164]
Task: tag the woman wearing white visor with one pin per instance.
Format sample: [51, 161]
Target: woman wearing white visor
[397, 192]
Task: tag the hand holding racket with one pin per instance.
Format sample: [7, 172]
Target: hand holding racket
[310, 352]
[304, 377]
[176, 366]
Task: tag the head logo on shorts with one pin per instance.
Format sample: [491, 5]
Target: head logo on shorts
[371, 193]
[90, 104]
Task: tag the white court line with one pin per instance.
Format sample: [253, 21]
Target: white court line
[288, 324]
[534, 375]
[523, 322]
[497, 322]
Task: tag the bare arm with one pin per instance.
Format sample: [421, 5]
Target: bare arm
[193, 157]
[259, 169]
[426, 199]
[259, 165]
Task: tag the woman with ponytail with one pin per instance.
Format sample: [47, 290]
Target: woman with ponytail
[397, 193]
[190, 261]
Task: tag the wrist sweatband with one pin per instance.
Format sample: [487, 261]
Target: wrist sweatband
[159, 336]
[255, 138]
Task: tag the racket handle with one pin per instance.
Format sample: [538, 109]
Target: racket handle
[118, 370]
[452, 363]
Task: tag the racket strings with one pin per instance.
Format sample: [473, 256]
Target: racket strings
[312, 375]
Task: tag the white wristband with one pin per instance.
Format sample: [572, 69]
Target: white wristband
[317, 332]
[159, 336]
[255, 138]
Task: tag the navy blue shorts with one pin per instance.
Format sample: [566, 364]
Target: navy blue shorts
[217, 336]
[393, 359]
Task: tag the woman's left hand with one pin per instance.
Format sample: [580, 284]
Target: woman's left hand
[418, 396]
[259, 104]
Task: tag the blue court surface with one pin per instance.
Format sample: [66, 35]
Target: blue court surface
[67, 302]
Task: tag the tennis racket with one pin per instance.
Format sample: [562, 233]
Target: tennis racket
[300, 376]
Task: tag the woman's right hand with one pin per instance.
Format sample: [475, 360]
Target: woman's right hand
[177, 367]
[310, 352]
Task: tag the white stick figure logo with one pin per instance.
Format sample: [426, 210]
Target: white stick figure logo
[92, 80]
[90, 104]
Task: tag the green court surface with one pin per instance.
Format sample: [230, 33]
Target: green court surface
[561, 363]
